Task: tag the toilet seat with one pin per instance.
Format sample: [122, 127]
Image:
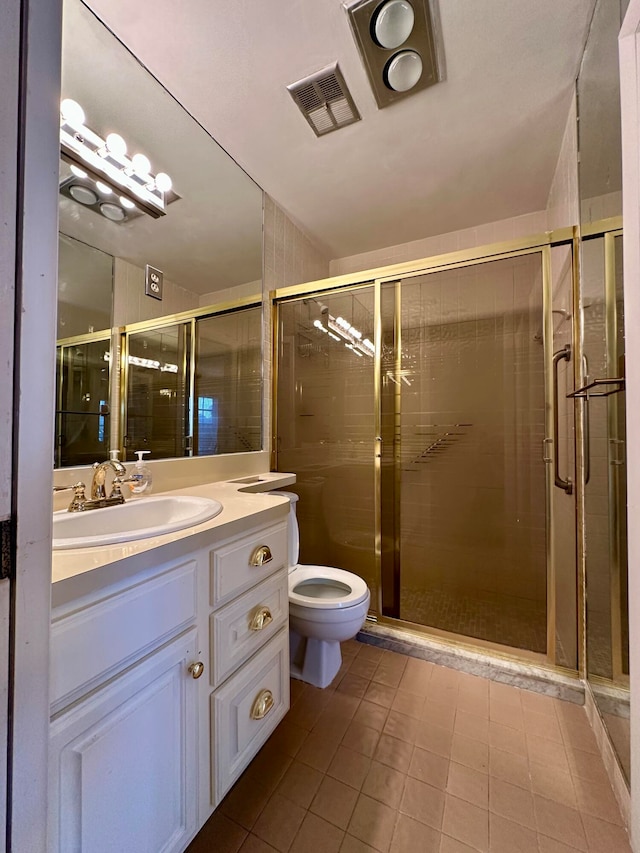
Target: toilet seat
[327, 588]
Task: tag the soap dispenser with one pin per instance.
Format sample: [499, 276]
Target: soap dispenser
[141, 475]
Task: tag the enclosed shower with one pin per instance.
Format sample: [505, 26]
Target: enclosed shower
[426, 420]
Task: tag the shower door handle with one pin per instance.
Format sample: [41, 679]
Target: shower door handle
[586, 425]
[562, 355]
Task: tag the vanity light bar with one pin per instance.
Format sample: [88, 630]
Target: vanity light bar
[152, 364]
[347, 334]
[107, 160]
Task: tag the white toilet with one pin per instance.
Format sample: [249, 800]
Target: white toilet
[326, 607]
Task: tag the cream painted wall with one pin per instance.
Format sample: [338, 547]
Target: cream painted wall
[131, 305]
[231, 294]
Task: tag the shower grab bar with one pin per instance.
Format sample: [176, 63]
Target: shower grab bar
[566, 485]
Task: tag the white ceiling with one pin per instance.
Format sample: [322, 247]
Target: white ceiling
[478, 147]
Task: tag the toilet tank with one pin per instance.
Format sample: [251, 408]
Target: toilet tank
[293, 532]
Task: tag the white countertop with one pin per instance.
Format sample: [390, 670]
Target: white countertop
[241, 499]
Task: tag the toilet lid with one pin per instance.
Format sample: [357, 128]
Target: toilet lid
[323, 587]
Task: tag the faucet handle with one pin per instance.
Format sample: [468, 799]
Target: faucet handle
[76, 487]
[79, 497]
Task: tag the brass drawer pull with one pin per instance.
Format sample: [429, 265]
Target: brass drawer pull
[262, 705]
[260, 619]
[196, 669]
[260, 556]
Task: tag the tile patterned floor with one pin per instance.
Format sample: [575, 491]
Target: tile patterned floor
[399, 755]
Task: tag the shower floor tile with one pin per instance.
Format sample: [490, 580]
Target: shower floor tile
[443, 786]
[497, 618]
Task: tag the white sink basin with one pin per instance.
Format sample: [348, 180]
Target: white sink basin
[132, 520]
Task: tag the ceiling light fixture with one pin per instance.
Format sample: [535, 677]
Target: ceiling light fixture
[106, 160]
[397, 45]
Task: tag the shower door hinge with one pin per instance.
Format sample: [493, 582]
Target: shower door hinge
[547, 445]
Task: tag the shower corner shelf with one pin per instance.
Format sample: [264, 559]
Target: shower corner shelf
[590, 390]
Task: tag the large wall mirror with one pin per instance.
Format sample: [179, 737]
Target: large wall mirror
[191, 362]
[603, 412]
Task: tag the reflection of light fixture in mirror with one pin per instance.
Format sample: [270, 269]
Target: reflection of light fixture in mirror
[112, 211]
[103, 188]
[380, 27]
[129, 205]
[79, 173]
[83, 194]
[106, 160]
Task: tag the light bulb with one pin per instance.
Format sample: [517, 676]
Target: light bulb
[403, 71]
[104, 189]
[72, 113]
[116, 145]
[126, 203]
[141, 164]
[393, 23]
[163, 182]
[79, 173]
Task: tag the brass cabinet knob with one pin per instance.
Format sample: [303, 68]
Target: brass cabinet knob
[262, 705]
[260, 619]
[196, 669]
[260, 556]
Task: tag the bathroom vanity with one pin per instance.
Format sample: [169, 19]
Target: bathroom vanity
[169, 670]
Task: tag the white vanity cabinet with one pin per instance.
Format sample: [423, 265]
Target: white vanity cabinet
[142, 748]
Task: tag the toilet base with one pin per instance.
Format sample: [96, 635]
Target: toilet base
[314, 661]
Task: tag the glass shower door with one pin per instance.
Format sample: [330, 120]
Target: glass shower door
[463, 417]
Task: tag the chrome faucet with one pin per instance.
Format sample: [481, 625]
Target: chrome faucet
[100, 469]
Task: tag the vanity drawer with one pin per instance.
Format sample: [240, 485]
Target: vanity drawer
[246, 710]
[239, 629]
[90, 644]
[247, 561]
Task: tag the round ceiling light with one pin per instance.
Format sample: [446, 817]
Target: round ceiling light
[403, 71]
[79, 173]
[104, 188]
[393, 23]
[112, 211]
[83, 194]
[126, 203]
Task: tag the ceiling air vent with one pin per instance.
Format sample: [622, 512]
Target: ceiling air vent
[324, 100]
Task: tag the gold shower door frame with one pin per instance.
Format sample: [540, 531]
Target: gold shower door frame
[541, 245]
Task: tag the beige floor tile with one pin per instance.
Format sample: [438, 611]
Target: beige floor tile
[472, 725]
[506, 713]
[253, 844]
[468, 784]
[505, 693]
[597, 799]
[316, 835]
[331, 726]
[473, 753]
[538, 702]
[542, 725]
[317, 751]
[300, 784]
[583, 766]
[349, 767]
[289, 737]
[342, 705]
[373, 823]
[388, 674]
[245, 801]
[505, 836]
[219, 833]
[472, 702]
[507, 738]
[546, 751]
[353, 685]
[473, 684]
[452, 845]
[394, 753]
[361, 739]
[411, 835]
[605, 836]
[363, 667]
[509, 767]
[552, 783]
[560, 822]
[371, 715]
[435, 739]
[380, 694]
[402, 727]
[279, 822]
[350, 844]
[385, 784]
[580, 737]
[430, 768]
[423, 802]
[511, 802]
[467, 823]
[551, 845]
[416, 677]
[369, 652]
[436, 714]
[407, 703]
[335, 802]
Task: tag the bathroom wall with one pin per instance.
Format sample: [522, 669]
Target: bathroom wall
[290, 257]
[468, 238]
[131, 305]
[231, 294]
